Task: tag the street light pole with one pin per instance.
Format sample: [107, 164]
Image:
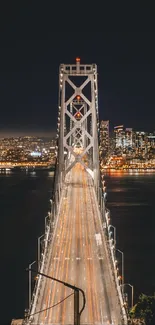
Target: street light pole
[132, 288]
[76, 307]
[77, 313]
[39, 249]
[122, 270]
[46, 221]
[30, 271]
[132, 293]
[114, 233]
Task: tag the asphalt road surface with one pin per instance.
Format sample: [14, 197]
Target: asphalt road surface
[79, 256]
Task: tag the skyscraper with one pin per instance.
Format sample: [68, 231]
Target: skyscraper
[104, 138]
[119, 135]
[123, 137]
[128, 138]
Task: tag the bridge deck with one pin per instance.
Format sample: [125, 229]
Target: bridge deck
[79, 256]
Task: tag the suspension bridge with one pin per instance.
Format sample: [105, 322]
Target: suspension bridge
[78, 249]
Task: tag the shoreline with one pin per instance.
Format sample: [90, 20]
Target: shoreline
[129, 169]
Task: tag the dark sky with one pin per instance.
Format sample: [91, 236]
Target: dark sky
[31, 53]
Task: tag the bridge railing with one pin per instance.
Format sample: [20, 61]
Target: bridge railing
[105, 220]
[38, 283]
[46, 250]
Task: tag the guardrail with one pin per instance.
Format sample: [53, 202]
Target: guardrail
[45, 255]
[106, 221]
[37, 288]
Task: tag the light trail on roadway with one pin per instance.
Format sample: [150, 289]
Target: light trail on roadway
[79, 256]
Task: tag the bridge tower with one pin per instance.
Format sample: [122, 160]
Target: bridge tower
[78, 121]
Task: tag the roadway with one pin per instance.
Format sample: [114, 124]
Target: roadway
[79, 256]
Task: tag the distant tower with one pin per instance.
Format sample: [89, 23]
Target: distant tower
[140, 140]
[119, 135]
[128, 138]
[151, 140]
[104, 138]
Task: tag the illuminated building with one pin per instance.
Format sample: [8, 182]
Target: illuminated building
[123, 137]
[140, 143]
[128, 138]
[119, 135]
[151, 141]
[143, 143]
[104, 138]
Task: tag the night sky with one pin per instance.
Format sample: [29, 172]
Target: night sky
[31, 53]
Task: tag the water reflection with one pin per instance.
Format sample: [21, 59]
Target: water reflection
[51, 174]
[122, 173]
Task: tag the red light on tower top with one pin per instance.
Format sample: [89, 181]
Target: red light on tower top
[77, 60]
[78, 97]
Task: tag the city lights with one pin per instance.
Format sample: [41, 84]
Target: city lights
[125, 148]
[26, 152]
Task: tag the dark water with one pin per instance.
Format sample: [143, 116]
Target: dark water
[24, 202]
[131, 200]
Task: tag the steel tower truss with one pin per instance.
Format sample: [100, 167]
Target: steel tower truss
[78, 124]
